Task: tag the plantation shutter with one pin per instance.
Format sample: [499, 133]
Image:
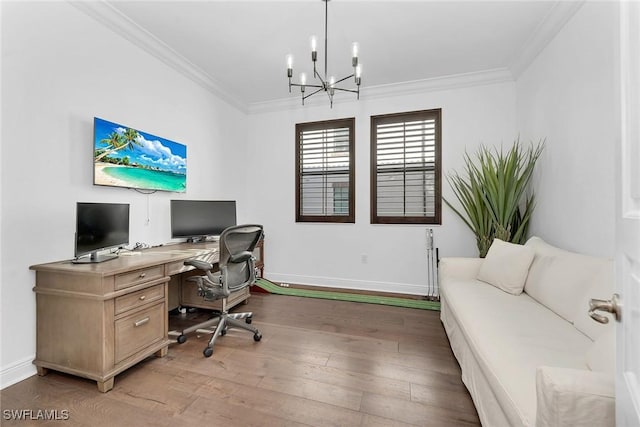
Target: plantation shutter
[405, 163]
[325, 171]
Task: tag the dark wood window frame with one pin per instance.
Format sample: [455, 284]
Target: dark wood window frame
[348, 123]
[402, 169]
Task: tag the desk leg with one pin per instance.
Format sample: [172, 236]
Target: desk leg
[105, 386]
[42, 371]
[162, 352]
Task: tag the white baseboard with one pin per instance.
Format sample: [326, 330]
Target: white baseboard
[17, 372]
[361, 285]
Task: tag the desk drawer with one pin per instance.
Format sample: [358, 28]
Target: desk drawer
[136, 277]
[139, 298]
[139, 330]
[177, 267]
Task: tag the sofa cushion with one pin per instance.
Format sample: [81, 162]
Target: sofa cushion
[601, 356]
[574, 398]
[559, 279]
[506, 266]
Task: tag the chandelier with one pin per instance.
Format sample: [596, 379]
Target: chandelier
[324, 83]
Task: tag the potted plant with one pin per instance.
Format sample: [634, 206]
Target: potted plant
[494, 193]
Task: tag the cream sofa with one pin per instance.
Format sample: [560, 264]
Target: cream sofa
[529, 352]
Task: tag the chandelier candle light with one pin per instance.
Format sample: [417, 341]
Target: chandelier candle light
[328, 85]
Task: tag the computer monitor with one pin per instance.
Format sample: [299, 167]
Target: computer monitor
[197, 219]
[100, 226]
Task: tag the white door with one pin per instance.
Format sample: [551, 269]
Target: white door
[628, 221]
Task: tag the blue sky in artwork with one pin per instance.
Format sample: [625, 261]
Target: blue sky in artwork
[152, 151]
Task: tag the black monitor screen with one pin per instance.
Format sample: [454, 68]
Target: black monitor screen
[101, 226]
[197, 218]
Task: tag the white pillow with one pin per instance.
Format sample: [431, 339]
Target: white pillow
[506, 266]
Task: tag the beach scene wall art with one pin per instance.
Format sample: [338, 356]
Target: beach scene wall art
[130, 158]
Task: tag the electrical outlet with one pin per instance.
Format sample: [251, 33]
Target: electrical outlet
[364, 258]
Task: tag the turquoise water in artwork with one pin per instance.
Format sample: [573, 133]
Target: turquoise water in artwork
[148, 178]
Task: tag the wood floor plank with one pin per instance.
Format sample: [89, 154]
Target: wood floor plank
[316, 390]
[454, 400]
[290, 407]
[427, 375]
[319, 363]
[415, 413]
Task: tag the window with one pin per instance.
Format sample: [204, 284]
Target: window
[325, 172]
[405, 168]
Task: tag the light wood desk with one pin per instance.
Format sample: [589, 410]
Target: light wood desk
[97, 320]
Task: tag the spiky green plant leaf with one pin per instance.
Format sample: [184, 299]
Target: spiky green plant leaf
[495, 193]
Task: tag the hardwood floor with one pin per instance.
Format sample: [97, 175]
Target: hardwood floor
[320, 363]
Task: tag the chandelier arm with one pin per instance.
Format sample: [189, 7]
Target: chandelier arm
[343, 79]
[319, 77]
[307, 85]
[313, 93]
[346, 90]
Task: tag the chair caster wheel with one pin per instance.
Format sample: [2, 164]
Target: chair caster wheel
[223, 332]
[207, 352]
[248, 320]
[257, 336]
[182, 339]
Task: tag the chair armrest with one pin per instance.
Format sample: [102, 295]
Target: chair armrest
[459, 268]
[199, 264]
[574, 397]
[241, 257]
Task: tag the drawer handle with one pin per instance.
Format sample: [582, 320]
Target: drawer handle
[142, 297]
[142, 275]
[141, 322]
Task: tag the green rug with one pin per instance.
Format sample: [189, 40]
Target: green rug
[344, 296]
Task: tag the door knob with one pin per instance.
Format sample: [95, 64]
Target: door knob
[612, 306]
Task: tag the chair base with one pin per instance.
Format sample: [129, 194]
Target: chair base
[222, 322]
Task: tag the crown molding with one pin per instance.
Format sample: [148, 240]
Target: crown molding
[456, 81]
[546, 30]
[122, 25]
[110, 17]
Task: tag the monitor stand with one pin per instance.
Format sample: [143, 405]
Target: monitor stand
[94, 258]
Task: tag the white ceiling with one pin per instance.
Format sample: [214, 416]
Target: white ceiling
[238, 48]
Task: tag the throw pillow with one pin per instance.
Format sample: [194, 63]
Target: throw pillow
[506, 266]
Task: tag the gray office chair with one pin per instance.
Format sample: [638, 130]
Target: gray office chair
[237, 270]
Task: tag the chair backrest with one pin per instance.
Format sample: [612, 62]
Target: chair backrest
[236, 255]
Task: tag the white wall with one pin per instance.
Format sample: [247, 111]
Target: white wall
[331, 254]
[60, 69]
[567, 95]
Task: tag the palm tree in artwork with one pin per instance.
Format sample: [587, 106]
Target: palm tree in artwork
[118, 141]
[131, 137]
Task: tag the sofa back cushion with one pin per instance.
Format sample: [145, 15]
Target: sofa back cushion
[560, 279]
